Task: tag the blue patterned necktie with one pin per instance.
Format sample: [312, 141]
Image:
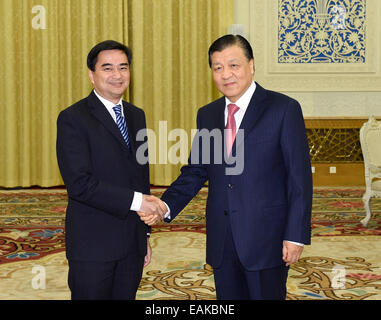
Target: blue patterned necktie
[121, 122]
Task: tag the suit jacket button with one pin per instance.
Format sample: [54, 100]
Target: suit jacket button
[230, 186]
[225, 212]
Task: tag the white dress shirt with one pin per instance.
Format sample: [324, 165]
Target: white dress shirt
[242, 103]
[138, 196]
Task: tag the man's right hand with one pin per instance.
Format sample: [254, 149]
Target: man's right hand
[152, 210]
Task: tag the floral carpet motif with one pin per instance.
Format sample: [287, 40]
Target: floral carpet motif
[343, 261]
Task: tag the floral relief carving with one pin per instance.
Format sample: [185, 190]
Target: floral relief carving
[321, 31]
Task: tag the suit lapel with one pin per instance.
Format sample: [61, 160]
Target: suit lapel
[130, 125]
[219, 123]
[220, 118]
[100, 112]
[254, 110]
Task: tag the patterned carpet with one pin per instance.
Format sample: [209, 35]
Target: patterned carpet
[343, 262]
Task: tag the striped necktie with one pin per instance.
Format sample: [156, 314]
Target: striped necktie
[121, 122]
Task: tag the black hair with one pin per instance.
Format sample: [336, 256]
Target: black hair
[228, 41]
[92, 57]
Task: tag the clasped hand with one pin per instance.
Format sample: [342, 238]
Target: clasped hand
[152, 210]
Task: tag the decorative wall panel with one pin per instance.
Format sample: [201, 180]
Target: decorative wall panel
[334, 140]
[321, 31]
[317, 45]
[334, 145]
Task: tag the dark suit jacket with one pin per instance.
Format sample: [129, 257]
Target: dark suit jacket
[101, 175]
[271, 200]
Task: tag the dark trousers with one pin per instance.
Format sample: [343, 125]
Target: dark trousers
[116, 280]
[234, 282]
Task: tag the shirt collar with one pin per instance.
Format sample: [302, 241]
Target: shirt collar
[244, 100]
[108, 104]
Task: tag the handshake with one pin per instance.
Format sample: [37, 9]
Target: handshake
[152, 210]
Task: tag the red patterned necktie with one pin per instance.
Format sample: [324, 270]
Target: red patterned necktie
[231, 128]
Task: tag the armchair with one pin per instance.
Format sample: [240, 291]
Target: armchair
[370, 139]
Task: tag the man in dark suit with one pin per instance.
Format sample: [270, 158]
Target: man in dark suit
[106, 242]
[259, 202]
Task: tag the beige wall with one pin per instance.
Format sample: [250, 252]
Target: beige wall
[324, 90]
